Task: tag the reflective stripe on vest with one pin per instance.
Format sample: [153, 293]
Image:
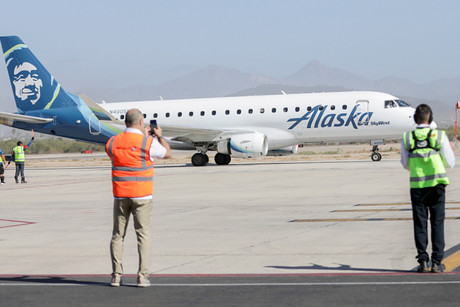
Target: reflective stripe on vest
[19, 154]
[426, 164]
[132, 170]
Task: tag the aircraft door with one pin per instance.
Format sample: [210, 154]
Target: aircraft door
[362, 106]
[96, 130]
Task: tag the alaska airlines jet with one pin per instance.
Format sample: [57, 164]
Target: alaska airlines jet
[242, 127]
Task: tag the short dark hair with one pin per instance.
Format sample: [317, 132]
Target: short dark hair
[19, 143]
[423, 114]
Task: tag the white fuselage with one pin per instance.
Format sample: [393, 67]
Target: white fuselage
[286, 120]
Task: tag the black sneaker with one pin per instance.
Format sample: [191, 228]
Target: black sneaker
[423, 267]
[438, 268]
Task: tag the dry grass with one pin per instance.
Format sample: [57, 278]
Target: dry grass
[306, 153]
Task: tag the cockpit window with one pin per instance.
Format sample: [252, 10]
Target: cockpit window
[390, 104]
[402, 103]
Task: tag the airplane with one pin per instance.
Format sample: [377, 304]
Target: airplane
[241, 127]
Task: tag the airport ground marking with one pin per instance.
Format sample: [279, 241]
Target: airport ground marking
[17, 223]
[248, 284]
[452, 262]
[362, 219]
[399, 204]
[383, 210]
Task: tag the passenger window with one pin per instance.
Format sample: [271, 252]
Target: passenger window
[250, 111]
[227, 112]
[262, 110]
[285, 109]
[308, 108]
[297, 109]
[155, 115]
[122, 117]
[167, 114]
[321, 108]
[145, 115]
[238, 111]
[344, 107]
[179, 114]
[190, 114]
[202, 113]
[213, 112]
[273, 110]
[332, 107]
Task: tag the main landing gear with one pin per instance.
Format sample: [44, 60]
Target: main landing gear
[202, 159]
[376, 156]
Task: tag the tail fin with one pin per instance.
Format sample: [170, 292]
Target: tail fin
[34, 88]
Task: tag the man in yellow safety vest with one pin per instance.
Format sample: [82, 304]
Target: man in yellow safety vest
[20, 158]
[425, 152]
[2, 169]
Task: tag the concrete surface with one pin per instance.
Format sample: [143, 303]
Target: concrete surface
[260, 233]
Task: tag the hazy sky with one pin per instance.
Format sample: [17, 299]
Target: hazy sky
[127, 42]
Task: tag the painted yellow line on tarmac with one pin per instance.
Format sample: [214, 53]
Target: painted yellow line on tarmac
[452, 262]
[362, 220]
[372, 210]
[381, 210]
[385, 204]
[400, 204]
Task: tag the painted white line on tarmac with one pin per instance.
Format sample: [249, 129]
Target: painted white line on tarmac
[383, 283]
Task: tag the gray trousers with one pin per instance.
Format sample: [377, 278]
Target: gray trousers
[142, 217]
[19, 170]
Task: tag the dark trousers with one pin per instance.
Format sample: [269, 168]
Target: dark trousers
[19, 170]
[429, 201]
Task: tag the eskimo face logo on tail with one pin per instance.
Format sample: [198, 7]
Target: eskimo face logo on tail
[33, 86]
[320, 116]
[27, 84]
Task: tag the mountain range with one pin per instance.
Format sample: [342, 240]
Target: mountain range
[215, 81]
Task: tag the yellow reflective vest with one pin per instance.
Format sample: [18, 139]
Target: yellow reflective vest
[19, 155]
[425, 161]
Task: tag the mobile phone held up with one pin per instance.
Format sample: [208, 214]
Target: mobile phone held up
[153, 125]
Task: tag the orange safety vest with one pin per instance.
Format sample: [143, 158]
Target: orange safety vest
[132, 170]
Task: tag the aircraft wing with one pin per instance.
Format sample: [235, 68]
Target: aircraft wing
[8, 118]
[194, 135]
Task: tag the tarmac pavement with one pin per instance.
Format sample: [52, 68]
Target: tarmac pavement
[249, 234]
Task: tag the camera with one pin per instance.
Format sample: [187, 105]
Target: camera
[153, 125]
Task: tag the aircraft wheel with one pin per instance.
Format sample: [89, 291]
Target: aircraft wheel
[376, 156]
[200, 159]
[222, 159]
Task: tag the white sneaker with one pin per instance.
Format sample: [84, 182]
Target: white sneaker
[116, 280]
[143, 282]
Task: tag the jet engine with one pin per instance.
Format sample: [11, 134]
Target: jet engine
[246, 145]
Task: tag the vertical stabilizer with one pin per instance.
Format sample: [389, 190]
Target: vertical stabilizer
[34, 88]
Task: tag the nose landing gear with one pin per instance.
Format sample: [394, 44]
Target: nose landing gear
[376, 156]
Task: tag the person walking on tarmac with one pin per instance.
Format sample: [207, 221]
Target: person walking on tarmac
[20, 158]
[132, 153]
[425, 152]
[2, 169]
